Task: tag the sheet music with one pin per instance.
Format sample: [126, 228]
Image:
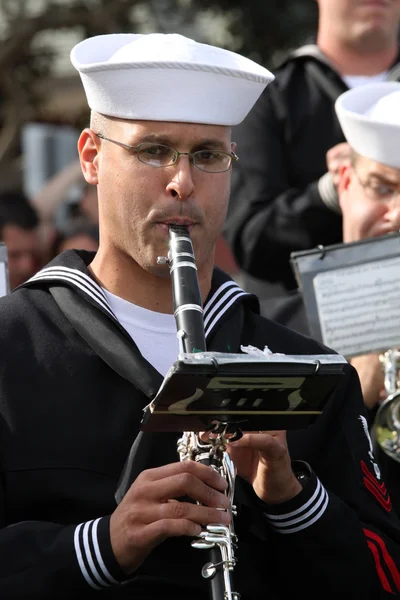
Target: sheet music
[3, 279]
[359, 307]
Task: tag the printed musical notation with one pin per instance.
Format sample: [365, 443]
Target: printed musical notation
[359, 307]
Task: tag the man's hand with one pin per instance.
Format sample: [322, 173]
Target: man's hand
[263, 460]
[151, 512]
[371, 376]
[336, 158]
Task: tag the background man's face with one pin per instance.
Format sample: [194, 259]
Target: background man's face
[23, 251]
[353, 20]
[369, 196]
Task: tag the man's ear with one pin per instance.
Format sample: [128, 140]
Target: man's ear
[345, 176]
[88, 148]
[346, 173]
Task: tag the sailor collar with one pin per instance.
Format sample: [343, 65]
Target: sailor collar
[70, 268]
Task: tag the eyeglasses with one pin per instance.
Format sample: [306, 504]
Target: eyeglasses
[159, 155]
[378, 190]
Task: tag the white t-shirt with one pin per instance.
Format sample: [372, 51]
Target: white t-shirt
[154, 333]
[353, 81]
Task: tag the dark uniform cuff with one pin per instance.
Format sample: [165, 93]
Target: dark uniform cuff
[95, 555]
[302, 511]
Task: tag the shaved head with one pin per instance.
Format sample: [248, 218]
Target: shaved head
[99, 122]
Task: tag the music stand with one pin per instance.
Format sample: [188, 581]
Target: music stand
[249, 392]
[351, 294]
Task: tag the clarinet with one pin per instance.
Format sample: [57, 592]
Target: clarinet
[220, 541]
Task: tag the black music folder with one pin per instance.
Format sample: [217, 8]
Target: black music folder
[254, 392]
[351, 294]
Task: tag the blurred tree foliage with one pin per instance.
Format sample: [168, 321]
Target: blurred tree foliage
[266, 29]
[260, 29]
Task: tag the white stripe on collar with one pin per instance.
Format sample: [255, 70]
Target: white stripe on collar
[221, 300]
[219, 303]
[80, 280]
[210, 303]
[237, 294]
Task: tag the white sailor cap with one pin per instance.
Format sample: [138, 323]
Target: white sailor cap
[370, 119]
[167, 77]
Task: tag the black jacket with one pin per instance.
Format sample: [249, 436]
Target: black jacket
[275, 205]
[67, 424]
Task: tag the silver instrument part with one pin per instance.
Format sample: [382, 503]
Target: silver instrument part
[191, 447]
[387, 419]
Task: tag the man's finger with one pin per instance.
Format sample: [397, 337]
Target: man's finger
[203, 472]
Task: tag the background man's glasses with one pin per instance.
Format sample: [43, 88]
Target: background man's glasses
[159, 155]
[378, 190]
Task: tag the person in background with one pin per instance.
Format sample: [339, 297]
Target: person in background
[76, 222]
[284, 188]
[369, 186]
[159, 151]
[89, 206]
[78, 234]
[369, 198]
[368, 195]
[64, 198]
[19, 232]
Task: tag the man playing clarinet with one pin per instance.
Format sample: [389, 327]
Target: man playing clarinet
[311, 507]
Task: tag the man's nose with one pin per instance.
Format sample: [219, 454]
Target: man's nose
[182, 184]
[393, 214]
